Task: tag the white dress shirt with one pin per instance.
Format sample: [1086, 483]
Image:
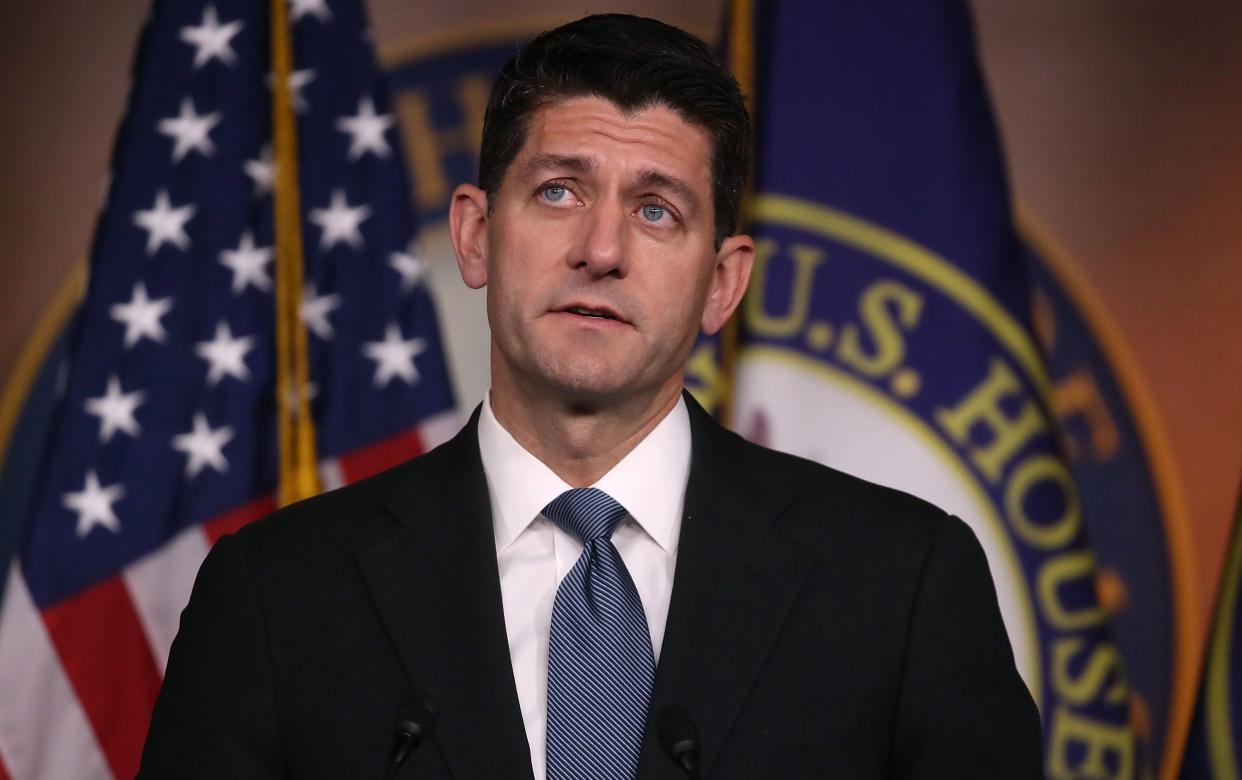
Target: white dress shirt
[533, 554]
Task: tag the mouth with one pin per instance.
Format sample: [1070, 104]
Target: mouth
[594, 312]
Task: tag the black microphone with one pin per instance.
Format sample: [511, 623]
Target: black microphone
[415, 720]
[680, 738]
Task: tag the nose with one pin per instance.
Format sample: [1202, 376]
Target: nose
[602, 242]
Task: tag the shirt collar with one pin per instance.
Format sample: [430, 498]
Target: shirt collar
[650, 481]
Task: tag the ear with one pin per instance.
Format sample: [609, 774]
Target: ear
[730, 275]
[468, 229]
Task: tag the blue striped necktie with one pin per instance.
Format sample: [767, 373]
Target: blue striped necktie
[600, 664]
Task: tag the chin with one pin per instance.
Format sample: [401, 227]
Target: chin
[585, 381]
[588, 388]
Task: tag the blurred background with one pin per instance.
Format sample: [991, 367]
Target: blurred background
[1120, 126]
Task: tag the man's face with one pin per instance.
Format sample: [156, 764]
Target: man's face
[598, 255]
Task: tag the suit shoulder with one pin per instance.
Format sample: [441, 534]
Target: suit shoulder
[341, 519]
[829, 507]
[812, 481]
[321, 513]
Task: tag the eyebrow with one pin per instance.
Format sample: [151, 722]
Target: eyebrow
[681, 188]
[574, 163]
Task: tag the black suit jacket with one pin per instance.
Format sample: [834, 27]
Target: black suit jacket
[820, 627]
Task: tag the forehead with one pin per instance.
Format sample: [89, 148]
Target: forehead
[650, 139]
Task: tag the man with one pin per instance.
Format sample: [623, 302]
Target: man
[593, 574]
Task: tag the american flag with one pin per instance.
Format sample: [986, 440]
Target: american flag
[165, 434]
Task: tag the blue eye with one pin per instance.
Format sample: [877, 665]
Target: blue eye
[653, 213]
[555, 193]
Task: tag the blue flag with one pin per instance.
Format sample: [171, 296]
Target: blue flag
[887, 328]
[164, 433]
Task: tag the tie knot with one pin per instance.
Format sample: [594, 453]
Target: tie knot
[587, 513]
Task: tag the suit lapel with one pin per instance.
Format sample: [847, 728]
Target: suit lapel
[436, 586]
[735, 582]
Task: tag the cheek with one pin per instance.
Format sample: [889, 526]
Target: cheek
[681, 286]
[504, 304]
[515, 300]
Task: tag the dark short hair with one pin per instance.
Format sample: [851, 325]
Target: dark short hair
[635, 63]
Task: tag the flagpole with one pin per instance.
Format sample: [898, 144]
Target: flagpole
[742, 64]
[1216, 697]
[295, 427]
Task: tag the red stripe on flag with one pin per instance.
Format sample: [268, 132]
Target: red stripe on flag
[373, 459]
[229, 522]
[4, 773]
[105, 654]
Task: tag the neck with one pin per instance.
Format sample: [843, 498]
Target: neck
[579, 441]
